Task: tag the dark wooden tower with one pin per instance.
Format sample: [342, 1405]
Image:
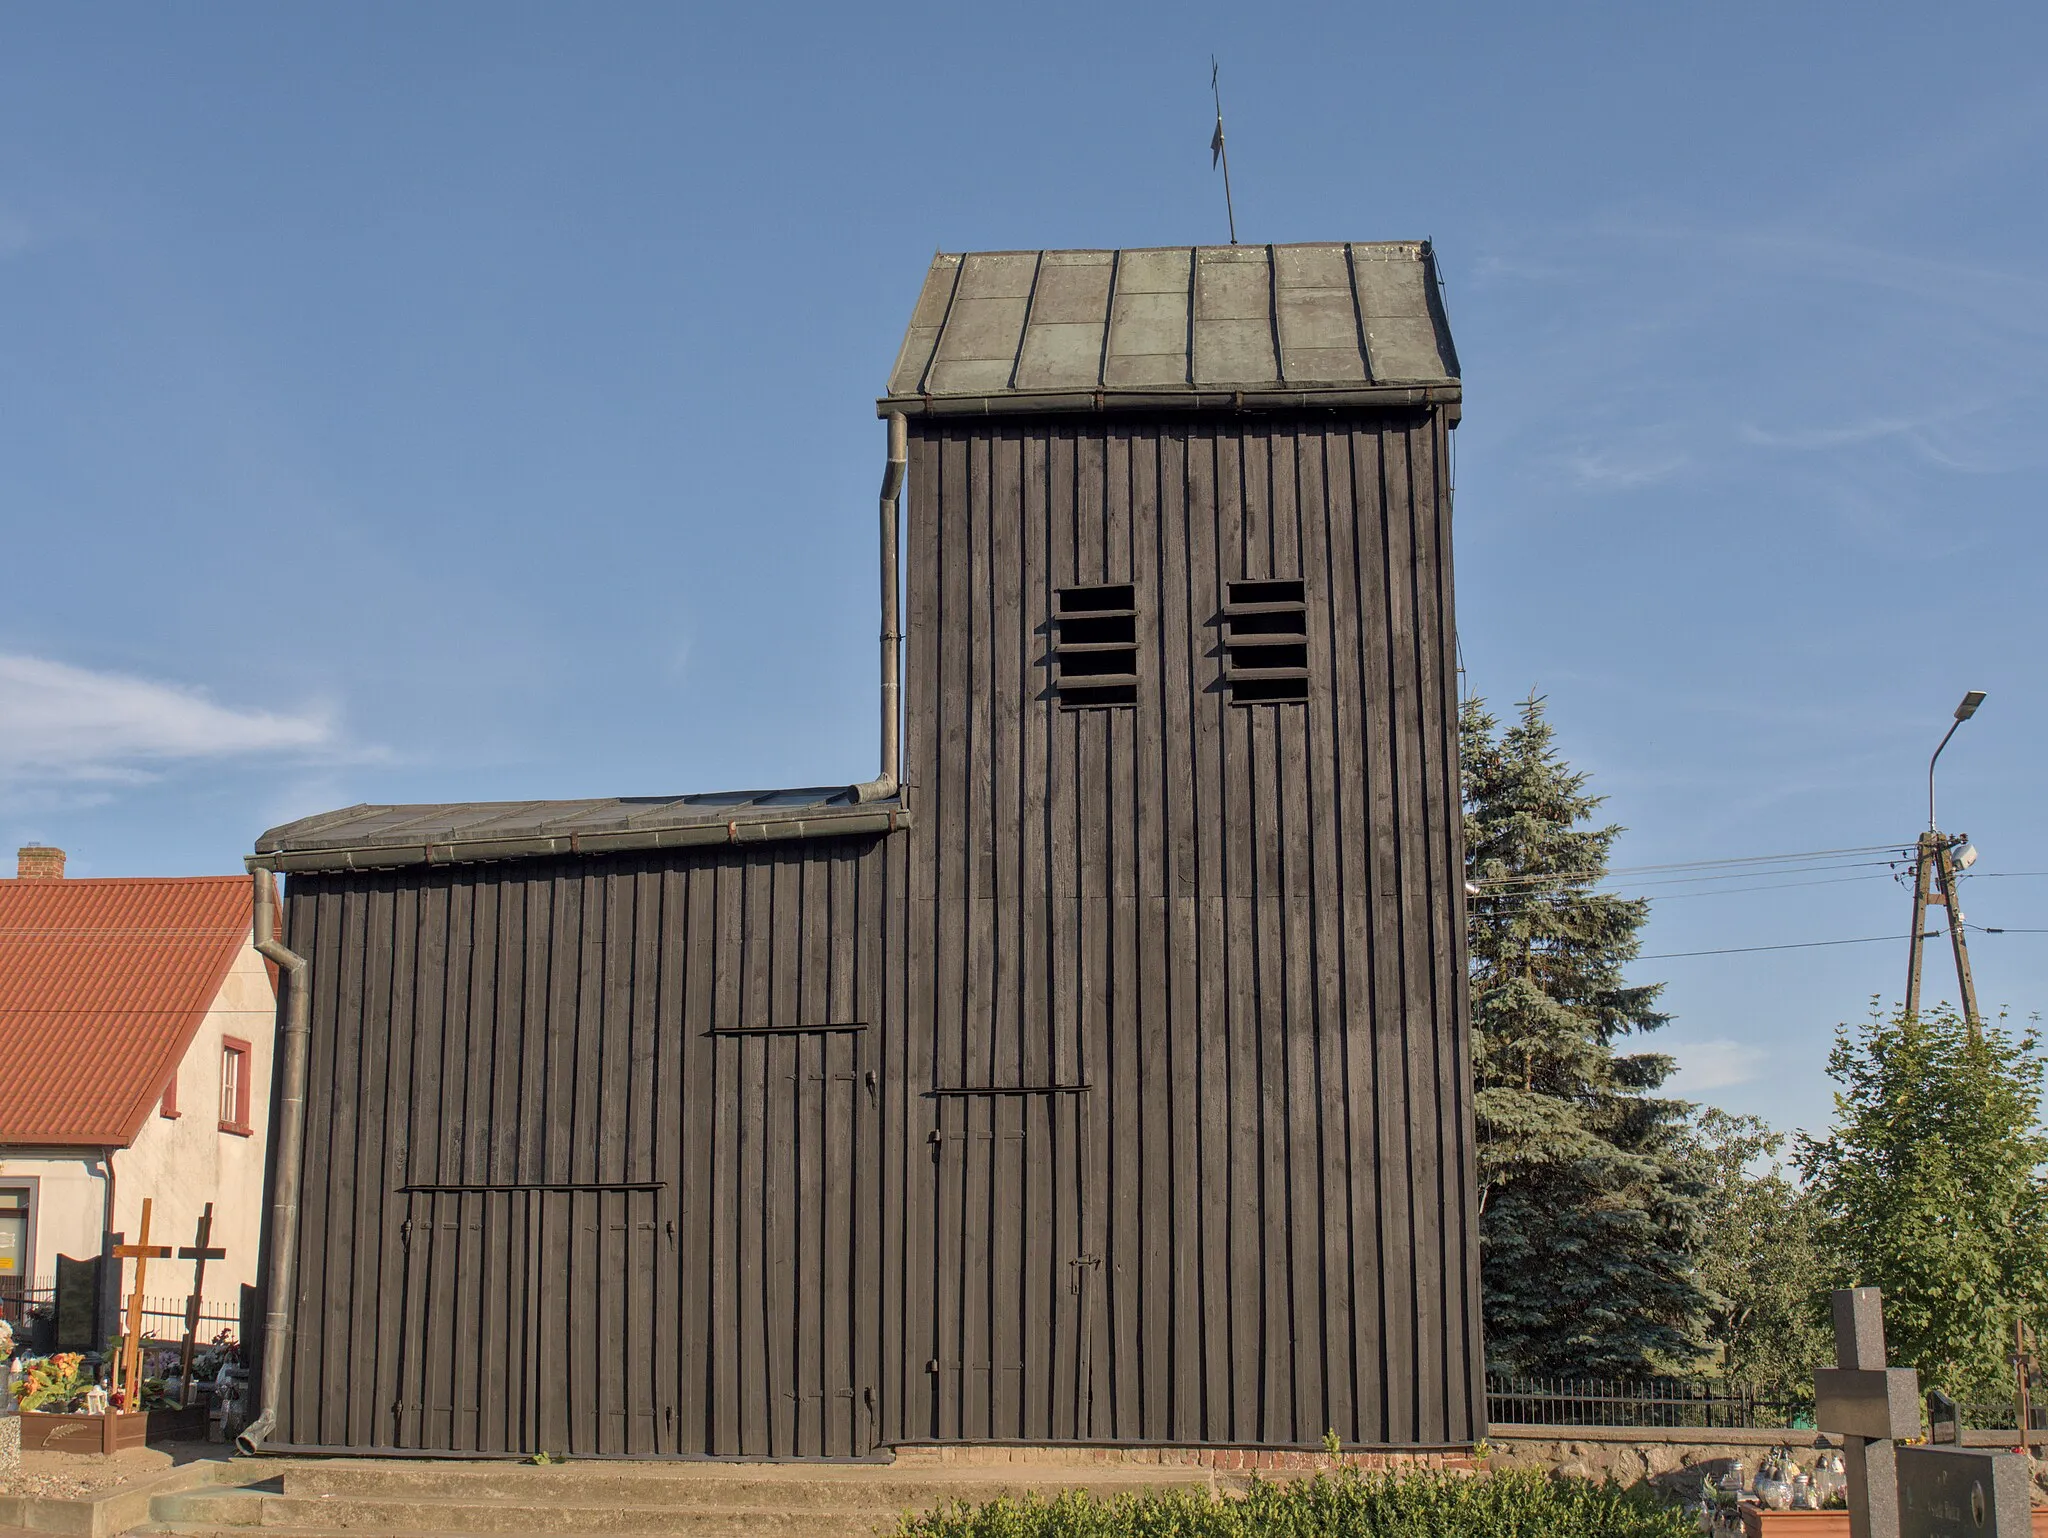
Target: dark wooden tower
[1105, 1081]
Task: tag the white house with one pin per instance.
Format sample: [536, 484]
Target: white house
[135, 1040]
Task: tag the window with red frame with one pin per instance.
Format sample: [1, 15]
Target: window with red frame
[234, 1086]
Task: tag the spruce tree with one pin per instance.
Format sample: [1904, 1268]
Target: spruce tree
[1587, 1209]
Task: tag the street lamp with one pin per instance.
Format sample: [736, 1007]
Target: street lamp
[1964, 711]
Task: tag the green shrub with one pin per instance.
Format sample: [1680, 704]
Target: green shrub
[1422, 1504]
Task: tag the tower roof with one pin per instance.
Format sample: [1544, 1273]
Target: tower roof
[1217, 327]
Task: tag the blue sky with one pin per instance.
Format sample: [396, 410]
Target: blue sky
[466, 401]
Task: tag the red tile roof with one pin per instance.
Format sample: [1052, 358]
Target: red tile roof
[103, 984]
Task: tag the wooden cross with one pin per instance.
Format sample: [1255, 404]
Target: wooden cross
[142, 1252]
[198, 1253]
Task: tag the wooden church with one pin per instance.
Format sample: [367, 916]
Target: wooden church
[1099, 1073]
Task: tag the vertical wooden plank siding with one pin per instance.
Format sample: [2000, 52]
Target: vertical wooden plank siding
[568, 1191]
[1256, 959]
[1124, 1097]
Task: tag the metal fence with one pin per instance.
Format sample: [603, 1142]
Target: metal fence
[2004, 1415]
[1654, 1402]
[18, 1300]
[163, 1317]
[1705, 1403]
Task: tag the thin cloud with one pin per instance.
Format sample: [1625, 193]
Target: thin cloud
[1718, 1063]
[70, 722]
[1838, 437]
[1621, 470]
[1975, 439]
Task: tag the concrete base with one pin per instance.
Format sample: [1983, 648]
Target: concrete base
[125, 1487]
[303, 1497]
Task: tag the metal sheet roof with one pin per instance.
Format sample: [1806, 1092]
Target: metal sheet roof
[102, 986]
[379, 837]
[1176, 326]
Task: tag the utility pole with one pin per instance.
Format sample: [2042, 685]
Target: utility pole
[1934, 885]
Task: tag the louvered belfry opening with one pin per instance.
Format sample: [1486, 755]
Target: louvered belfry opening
[1107, 1083]
[1265, 642]
[1096, 645]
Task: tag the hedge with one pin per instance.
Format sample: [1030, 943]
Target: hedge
[1514, 1503]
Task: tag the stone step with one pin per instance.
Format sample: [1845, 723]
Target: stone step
[755, 1486]
[252, 1510]
[204, 1530]
[822, 1528]
[730, 1503]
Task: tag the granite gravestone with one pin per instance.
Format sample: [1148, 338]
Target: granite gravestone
[1909, 1492]
[1944, 1418]
[78, 1304]
[1869, 1405]
[1956, 1492]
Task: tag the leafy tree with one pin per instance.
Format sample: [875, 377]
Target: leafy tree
[1588, 1210]
[1759, 1258]
[1930, 1187]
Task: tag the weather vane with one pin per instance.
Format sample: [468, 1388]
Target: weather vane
[1218, 155]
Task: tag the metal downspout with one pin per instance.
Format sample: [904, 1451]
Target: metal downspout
[110, 1292]
[890, 780]
[289, 1131]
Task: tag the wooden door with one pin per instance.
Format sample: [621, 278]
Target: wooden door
[1018, 1267]
[525, 1321]
[787, 1247]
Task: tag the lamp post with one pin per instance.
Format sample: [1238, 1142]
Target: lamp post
[1934, 886]
[1964, 711]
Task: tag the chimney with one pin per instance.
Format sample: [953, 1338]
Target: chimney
[38, 862]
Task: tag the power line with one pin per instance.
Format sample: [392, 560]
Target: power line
[1797, 945]
[1511, 895]
[1784, 870]
[1754, 859]
[1893, 850]
[1775, 886]
[1528, 901]
[1898, 856]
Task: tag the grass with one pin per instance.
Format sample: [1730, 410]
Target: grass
[1513, 1503]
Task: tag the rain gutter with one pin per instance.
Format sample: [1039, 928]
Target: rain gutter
[1264, 398]
[820, 824]
[890, 779]
[287, 1131]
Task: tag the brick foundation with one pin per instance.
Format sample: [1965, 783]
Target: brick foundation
[1223, 1459]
